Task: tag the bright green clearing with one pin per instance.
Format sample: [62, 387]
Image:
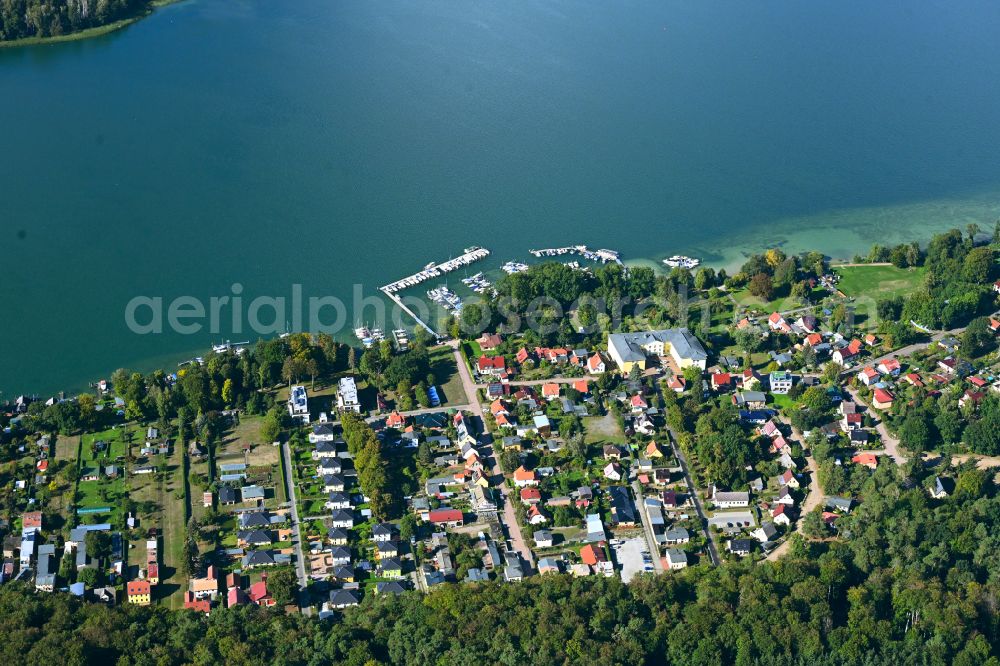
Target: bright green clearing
[877, 282]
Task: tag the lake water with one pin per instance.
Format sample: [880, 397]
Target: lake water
[334, 142]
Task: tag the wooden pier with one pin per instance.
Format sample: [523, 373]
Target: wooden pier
[432, 270]
[394, 297]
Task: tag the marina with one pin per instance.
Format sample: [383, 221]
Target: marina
[479, 284]
[369, 336]
[446, 298]
[603, 255]
[432, 270]
[512, 267]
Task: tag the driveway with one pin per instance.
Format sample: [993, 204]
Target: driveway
[509, 516]
[300, 566]
[647, 528]
[713, 550]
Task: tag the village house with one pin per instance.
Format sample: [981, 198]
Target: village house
[882, 399]
[780, 382]
[595, 364]
[868, 376]
[524, 477]
[891, 367]
[139, 592]
[727, 500]
[491, 366]
[777, 323]
[446, 517]
[676, 559]
[780, 515]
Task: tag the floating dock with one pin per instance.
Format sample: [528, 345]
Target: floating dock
[431, 271]
[604, 256]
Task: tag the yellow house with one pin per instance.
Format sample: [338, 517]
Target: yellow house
[139, 592]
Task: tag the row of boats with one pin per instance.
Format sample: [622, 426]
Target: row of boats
[512, 267]
[602, 255]
[479, 284]
[432, 270]
[446, 298]
[371, 336]
[682, 261]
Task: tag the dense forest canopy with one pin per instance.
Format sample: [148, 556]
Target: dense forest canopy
[51, 18]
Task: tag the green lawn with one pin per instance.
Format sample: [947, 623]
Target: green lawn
[446, 377]
[782, 402]
[877, 282]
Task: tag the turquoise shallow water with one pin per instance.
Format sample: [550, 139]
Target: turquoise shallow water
[328, 143]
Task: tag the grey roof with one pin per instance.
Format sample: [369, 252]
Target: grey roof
[843, 503]
[343, 598]
[389, 587]
[391, 564]
[629, 345]
[384, 528]
[255, 537]
[676, 555]
[252, 492]
[676, 534]
[258, 558]
[254, 520]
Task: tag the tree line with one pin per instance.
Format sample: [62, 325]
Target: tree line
[20, 19]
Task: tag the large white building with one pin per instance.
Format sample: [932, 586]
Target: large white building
[628, 350]
[347, 396]
[298, 404]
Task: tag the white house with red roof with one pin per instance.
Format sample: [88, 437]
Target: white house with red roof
[525, 477]
[777, 323]
[868, 376]
[721, 381]
[491, 366]
[891, 367]
[595, 364]
[882, 399]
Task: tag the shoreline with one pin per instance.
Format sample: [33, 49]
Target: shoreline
[88, 33]
[839, 234]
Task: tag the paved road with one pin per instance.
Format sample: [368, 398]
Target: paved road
[539, 382]
[890, 443]
[713, 550]
[647, 528]
[300, 564]
[814, 494]
[509, 516]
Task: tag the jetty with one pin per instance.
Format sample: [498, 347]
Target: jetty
[603, 255]
[432, 270]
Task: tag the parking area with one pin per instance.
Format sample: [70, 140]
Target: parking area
[633, 557]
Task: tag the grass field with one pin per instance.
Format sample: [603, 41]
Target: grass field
[603, 430]
[166, 511]
[877, 282]
[448, 381]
